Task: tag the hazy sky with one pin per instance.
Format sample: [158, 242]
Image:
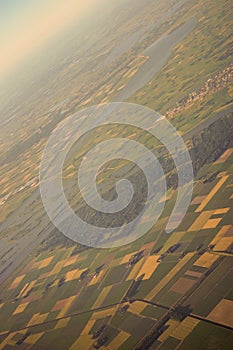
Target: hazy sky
[28, 25]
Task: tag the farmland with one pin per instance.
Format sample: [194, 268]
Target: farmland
[46, 299]
[163, 290]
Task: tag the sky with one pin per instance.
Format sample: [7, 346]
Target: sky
[28, 25]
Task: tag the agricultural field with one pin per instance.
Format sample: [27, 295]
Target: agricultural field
[83, 299]
[164, 290]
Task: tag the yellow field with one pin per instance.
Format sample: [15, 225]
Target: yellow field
[66, 307]
[206, 260]
[102, 296]
[171, 274]
[224, 244]
[83, 342]
[33, 338]
[88, 327]
[184, 328]
[149, 267]
[118, 340]
[172, 324]
[16, 282]
[63, 305]
[103, 313]
[221, 211]
[223, 312]
[70, 261]
[57, 268]
[126, 258]
[37, 318]
[71, 275]
[62, 323]
[147, 248]
[220, 234]
[43, 263]
[201, 221]
[25, 291]
[212, 193]
[133, 273]
[98, 278]
[224, 156]
[212, 223]
[20, 308]
[137, 307]
[6, 341]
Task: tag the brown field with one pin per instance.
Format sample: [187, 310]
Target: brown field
[182, 285]
[66, 307]
[223, 312]
[169, 276]
[43, 276]
[198, 200]
[63, 304]
[148, 247]
[193, 273]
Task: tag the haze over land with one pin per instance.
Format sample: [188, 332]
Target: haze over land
[162, 291]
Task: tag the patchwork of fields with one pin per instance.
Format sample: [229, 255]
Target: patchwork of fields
[173, 288]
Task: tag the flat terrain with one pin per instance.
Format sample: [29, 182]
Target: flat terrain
[163, 291]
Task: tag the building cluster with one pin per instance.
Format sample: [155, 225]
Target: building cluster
[211, 86]
[134, 259]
